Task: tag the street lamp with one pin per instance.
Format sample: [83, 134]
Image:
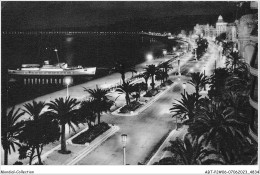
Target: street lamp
[204, 72]
[184, 87]
[164, 52]
[67, 81]
[196, 54]
[179, 66]
[124, 139]
[149, 57]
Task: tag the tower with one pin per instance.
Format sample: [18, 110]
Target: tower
[221, 26]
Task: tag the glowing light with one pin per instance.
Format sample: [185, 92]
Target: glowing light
[184, 85]
[67, 80]
[164, 52]
[149, 57]
[191, 70]
[69, 39]
[124, 139]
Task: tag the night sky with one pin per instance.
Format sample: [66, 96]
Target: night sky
[60, 14]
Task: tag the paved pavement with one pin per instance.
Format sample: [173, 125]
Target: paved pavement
[77, 92]
[144, 131]
[208, 61]
[148, 128]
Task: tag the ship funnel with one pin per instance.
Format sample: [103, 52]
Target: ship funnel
[46, 62]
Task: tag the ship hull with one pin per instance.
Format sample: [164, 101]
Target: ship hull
[63, 72]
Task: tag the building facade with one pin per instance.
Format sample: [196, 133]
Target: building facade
[248, 48]
[207, 30]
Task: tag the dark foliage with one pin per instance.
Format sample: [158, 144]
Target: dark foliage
[130, 107]
[89, 135]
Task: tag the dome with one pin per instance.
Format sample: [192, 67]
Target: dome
[220, 19]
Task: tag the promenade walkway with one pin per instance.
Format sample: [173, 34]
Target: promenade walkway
[208, 61]
[144, 131]
[78, 92]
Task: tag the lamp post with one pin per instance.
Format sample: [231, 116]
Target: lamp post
[204, 72]
[179, 66]
[124, 139]
[196, 54]
[184, 87]
[67, 81]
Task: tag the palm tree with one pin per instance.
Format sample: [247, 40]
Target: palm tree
[198, 80]
[186, 107]
[146, 76]
[38, 131]
[233, 60]
[217, 83]
[122, 68]
[240, 81]
[166, 66]
[225, 131]
[137, 88]
[34, 110]
[160, 76]
[103, 104]
[65, 112]
[151, 70]
[126, 89]
[10, 131]
[88, 111]
[192, 152]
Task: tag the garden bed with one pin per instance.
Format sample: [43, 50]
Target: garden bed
[89, 135]
[151, 93]
[131, 107]
[168, 82]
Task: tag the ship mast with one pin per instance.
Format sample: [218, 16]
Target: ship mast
[56, 51]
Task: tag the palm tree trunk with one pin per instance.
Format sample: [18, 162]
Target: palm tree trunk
[99, 115]
[39, 155]
[166, 72]
[31, 156]
[6, 157]
[127, 98]
[146, 83]
[152, 82]
[63, 139]
[123, 78]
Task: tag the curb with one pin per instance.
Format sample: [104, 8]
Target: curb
[68, 141]
[93, 145]
[161, 147]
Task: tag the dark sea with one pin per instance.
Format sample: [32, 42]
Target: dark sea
[89, 50]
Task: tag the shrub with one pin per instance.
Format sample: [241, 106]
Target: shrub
[89, 135]
[151, 93]
[166, 83]
[131, 107]
[18, 163]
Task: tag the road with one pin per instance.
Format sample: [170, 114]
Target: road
[144, 131]
[147, 129]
